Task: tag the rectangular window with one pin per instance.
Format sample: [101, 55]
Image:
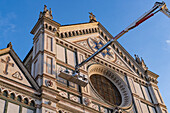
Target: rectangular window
[49, 44]
[71, 58]
[12, 108]
[2, 105]
[61, 53]
[138, 89]
[146, 93]
[49, 65]
[144, 108]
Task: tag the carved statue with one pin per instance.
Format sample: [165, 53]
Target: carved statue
[47, 13]
[137, 59]
[45, 8]
[141, 62]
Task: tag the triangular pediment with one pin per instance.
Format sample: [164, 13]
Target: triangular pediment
[95, 42]
[12, 69]
[91, 36]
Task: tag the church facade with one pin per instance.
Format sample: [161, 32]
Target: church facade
[113, 81]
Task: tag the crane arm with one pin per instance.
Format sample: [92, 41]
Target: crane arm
[159, 6]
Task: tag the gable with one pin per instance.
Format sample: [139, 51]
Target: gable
[10, 69]
[82, 33]
[95, 42]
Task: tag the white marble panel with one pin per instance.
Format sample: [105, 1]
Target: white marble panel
[152, 109]
[26, 110]
[144, 108]
[71, 59]
[2, 105]
[132, 85]
[158, 96]
[49, 65]
[49, 44]
[60, 53]
[138, 89]
[12, 108]
[146, 93]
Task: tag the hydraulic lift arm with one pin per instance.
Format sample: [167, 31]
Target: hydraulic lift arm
[159, 6]
[82, 80]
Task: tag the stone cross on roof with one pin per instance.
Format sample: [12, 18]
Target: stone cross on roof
[92, 17]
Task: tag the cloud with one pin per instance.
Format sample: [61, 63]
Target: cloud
[6, 24]
[168, 42]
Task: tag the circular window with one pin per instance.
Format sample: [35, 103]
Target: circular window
[106, 89]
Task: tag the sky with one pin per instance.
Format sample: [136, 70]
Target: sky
[150, 40]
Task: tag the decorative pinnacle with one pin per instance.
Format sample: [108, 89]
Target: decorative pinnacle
[47, 13]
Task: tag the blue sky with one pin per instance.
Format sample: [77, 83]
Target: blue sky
[151, 40]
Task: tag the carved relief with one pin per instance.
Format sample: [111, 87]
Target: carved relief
[17, 75]
[94, 106]
[86, 101]
[49, 83]
[74, 98]
[83, 43]
[7, 64]
[118, 61]
[63, 93]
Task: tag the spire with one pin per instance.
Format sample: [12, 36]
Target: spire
[92, 17]
[47, 13]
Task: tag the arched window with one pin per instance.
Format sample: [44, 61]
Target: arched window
[92, 30]
[25, 100]
[89, 30]
[66, 34]
[59, 111]
[12, 96]
[46, 26]
[102, 34]
[69, 34]
[129, 63]
[113, 46]
[95, 29]
[73, 33]
[50, 28]
[19, 98]
[32, 103]
[80, 32]
[125, 59]
[84, 32]
[106, 38]
[57, 34]
[54, 30]
[77, 33]
[5, 93]
[62, 35]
